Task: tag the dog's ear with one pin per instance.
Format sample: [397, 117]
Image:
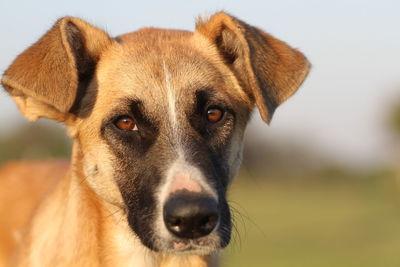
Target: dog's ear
[46, 79]
[268, 69]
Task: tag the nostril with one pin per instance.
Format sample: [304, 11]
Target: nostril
[174, 223]
[208, 222]
[188, 215]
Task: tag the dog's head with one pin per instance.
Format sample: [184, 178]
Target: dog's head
[158, 116]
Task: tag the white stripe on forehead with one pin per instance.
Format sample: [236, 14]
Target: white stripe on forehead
[171, 100]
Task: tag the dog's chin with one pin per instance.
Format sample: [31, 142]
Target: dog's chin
[191, 247]
[200, 246]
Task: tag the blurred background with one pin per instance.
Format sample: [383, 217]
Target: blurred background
[320, 186]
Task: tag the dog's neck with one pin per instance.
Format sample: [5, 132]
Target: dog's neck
[76, 210]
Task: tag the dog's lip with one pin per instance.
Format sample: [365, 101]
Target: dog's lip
[182, 246]
[178, 244]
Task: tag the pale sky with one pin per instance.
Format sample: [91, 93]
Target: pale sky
[353, 46]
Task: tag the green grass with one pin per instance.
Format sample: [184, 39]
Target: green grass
[315, 222]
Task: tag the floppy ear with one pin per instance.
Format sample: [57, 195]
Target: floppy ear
[268, 69]
[46, 79]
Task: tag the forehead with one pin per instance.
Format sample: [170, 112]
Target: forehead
[152, 64]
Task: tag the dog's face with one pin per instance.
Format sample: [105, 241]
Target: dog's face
[158, 116]
[169, 124]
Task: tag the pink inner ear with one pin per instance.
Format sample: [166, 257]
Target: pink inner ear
[182, 181]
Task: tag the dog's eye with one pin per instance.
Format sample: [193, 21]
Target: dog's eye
[126, 123]
[214, 114]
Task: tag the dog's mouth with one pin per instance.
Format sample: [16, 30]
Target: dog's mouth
[198, 247]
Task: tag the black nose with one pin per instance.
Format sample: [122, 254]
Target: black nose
[190, 215]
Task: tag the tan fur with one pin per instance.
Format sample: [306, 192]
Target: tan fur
[82, 220]
[18, 200]
[37, 77]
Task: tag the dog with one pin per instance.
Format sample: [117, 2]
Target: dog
[157, 119]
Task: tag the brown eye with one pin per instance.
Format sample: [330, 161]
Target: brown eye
[214, 114]
[126, 123]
